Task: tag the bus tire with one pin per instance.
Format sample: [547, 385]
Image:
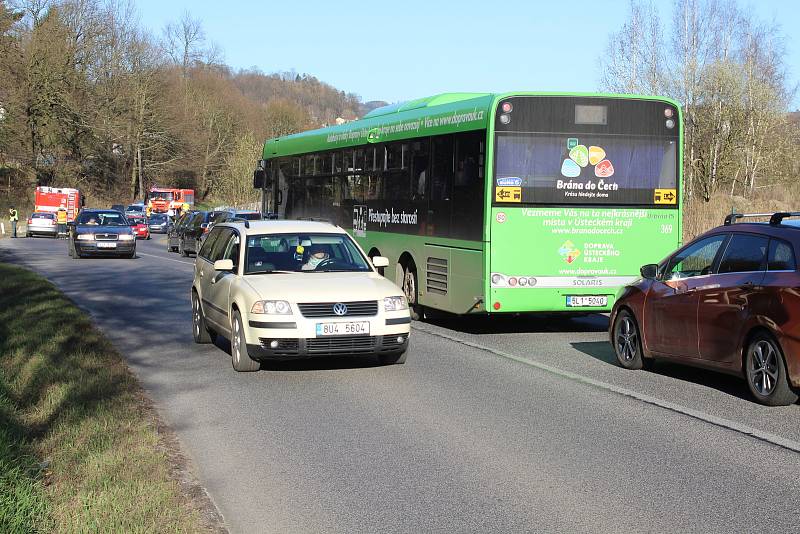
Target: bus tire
[411, 291]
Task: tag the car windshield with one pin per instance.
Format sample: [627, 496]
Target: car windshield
[102, 218]
[135, 207]
[162, 195]
[158, 218]
[302, 252]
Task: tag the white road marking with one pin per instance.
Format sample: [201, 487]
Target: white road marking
[761, 435]
[165, 259]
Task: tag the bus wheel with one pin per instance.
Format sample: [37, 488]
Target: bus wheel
[410, 288]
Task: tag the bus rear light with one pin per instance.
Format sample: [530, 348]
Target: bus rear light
[505, 119]
[523, 281]
[496, 306]
[507, 107]
[670, 124]
[668, 112]
[512, 281]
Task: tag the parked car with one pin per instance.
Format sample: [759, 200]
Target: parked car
[118, 207]
[726, 301]
[140, 226]
[175, 230]
[158, 223]
[236, 215]
[295, 289]
[42, 223]
[101, 232]
[194, 231]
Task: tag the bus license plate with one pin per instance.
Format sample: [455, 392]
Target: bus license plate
[352, 328]
[580, 301]
[100, 244]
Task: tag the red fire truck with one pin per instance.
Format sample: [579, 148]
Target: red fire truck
[50, 199]
[168, 199]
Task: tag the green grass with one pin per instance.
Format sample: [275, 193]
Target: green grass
[79, 450]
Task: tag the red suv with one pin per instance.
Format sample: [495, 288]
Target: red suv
[729, 301]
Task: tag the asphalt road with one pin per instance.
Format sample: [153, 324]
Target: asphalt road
[510, 425]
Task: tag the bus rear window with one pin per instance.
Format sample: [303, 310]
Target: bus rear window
[586, 169]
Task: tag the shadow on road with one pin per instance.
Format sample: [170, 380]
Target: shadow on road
[520, 324]
[732, 385]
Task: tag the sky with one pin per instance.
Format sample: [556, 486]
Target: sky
[401, 50]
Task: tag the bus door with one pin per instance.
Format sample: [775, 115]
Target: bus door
[440, 188]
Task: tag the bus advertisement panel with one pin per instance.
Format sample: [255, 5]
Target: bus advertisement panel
[495, 203]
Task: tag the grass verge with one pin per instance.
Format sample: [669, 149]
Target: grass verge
[79, 446]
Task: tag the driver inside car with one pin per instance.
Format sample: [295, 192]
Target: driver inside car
[316, 255]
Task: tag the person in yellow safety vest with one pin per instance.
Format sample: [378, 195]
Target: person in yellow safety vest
[13, 217]
[148, 211]
[61, 220]
[185, 207]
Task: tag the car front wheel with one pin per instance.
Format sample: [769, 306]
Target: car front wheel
[766, 372]
[627, 344]
[239, 358]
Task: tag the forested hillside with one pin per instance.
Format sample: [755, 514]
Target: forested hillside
[90, 99]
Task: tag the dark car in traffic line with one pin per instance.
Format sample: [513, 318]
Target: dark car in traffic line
[194, 229]
[175, 231]
[97, 232]
[726, 301]
[237, 215]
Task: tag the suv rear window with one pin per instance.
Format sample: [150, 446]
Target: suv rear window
[745, 253]
[781, 256]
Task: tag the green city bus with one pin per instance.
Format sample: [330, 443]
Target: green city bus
[494, 203]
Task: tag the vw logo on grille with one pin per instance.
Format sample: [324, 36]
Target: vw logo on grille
[340, 309]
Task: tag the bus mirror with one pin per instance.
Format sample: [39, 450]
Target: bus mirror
[649, 271]
[259, 177]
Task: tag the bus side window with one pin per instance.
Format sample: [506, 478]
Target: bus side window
[419, 169]
[468, 190]
[397, 176]
[440, 206]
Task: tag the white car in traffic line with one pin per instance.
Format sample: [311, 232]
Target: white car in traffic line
[283, 290]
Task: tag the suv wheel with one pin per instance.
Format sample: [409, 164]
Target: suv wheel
[765, 370]
[627, 343]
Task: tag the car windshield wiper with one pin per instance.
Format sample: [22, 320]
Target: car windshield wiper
[270, 272]
[335, 271]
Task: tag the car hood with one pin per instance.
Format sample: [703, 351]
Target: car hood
[322, 287]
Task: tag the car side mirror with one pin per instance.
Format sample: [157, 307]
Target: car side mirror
[223, 265]
[380, 261]
[649, 271]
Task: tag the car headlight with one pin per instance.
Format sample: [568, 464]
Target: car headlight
[395, 304]
[272, 307]
[126, 237]
[85, 237]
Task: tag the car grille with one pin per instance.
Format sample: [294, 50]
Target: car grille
[106, 237]
[358, 308]
[340, 344]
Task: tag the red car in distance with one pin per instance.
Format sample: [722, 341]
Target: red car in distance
[728, 301]
[140, 227]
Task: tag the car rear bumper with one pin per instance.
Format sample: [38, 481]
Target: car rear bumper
[49, 230]
[296, 348]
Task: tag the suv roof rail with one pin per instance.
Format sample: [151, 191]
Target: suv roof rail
[733, 217]
[778, 217]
